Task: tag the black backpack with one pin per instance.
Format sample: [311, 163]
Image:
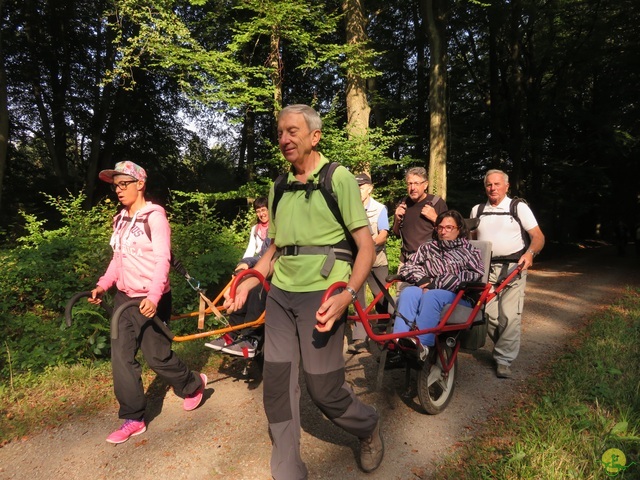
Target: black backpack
[323, 185]
[174, 262]
[513, 212]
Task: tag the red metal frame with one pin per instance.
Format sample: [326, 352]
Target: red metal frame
[366, 317]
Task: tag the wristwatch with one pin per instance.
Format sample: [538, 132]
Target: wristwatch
[533, 254]
[354, 294]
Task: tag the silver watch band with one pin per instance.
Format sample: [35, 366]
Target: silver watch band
[354, 294]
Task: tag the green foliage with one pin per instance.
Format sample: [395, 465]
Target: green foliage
[41, 274]
[358, 152]
[553, 101]
[393, 253]
[588, 404]
[208, 247]
[239, 73]
[48, 267]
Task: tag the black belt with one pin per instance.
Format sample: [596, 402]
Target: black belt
[340, 251]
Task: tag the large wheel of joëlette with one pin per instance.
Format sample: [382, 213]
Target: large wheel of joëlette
[435, 388]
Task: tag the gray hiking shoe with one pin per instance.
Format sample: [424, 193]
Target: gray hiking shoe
[219, 343]
[245, 348]
[503, 371]
[372, 450]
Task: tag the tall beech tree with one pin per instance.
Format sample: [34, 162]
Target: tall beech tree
[435, 17]
[358, 109]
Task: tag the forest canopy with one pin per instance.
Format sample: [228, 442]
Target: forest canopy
[546, 91]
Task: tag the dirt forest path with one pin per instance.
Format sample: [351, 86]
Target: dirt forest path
[227, 436]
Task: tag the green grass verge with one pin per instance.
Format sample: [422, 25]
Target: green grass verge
[566, 422]
[31, 403]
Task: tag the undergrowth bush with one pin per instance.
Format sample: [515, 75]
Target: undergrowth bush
[47, 267]
[393, 253]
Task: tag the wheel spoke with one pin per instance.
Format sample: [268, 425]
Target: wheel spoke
[435, 374]
[442, 383]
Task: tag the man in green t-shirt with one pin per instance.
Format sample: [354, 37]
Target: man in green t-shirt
[298, 325]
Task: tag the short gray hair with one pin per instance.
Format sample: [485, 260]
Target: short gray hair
[493, 171]
[314, 122]
[418, 171]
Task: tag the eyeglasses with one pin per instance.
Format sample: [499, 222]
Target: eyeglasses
[446, 228]
[415, 184]
[122, 185]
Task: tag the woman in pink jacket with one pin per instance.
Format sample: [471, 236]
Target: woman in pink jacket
[141, 243]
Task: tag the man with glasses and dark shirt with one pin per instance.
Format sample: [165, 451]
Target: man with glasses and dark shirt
[415, 216]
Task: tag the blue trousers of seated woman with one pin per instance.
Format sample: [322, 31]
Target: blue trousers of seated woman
[423, 307]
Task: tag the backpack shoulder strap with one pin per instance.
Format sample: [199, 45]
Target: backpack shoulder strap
[144, 221]
[326, 174]
[147, 228]
[279, 187]
[324, 185]
[324, 179]
[173, 262]
[513, 211]
[513, 207]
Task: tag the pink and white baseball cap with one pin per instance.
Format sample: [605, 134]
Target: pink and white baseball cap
[124, 168]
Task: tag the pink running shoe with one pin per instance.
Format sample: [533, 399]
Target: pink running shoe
[192, 401]
[128, 429]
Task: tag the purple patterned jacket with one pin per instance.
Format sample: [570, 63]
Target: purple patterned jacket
[443, 264]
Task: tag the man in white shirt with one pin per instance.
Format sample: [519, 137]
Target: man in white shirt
[510, 247]
[379, 223]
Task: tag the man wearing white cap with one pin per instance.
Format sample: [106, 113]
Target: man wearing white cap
[379, 223]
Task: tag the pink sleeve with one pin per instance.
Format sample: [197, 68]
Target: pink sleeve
[161, 243]
[110, 277]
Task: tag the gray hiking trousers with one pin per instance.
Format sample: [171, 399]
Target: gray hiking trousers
[290, 336]
[504, 314]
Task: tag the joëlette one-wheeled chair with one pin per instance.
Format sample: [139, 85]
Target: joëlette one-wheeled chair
[459, 326]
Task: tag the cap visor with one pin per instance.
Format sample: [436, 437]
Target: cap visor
[107, 175]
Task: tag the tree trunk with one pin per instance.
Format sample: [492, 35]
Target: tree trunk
[422, 83]
[4, 112]
[250, 143]
[536, 129]
[434, 12]
[516, 89]
[103, 101]
[495, 99]
[54, 72]
[275, 61]
[358, 109]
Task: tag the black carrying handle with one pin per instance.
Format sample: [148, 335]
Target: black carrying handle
[135, 302]
[116, 315]
[73, 300]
